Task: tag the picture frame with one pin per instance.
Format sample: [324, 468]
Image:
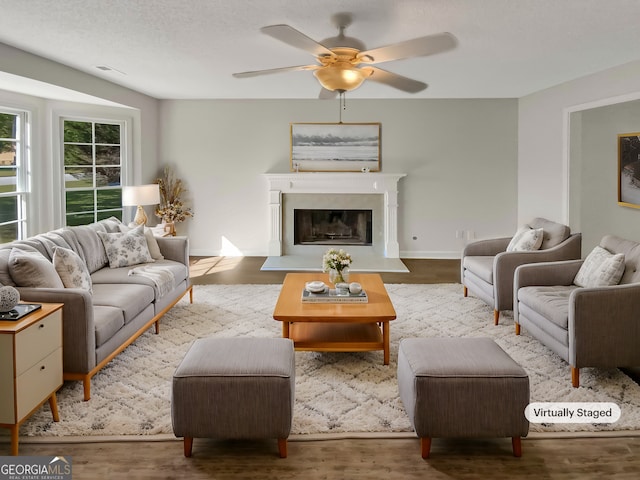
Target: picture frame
[629, 170]
[335, 147]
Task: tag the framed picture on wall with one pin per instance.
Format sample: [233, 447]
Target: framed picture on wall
[629, 170]
[335, 147]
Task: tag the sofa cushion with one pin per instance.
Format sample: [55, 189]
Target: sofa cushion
[121, 275]
[631, 252]
[550, 302]
[601, 268]
[31, 269]
[126, 249]
[481, 266]
[108, 320]
[130, 298]
[526, 239]
[5, 276]
[93, 250]
[554, 233]
[71, 268]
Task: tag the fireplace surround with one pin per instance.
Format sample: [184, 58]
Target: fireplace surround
[327, 190]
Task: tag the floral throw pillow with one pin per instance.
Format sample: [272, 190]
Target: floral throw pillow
[526, 239]
[126, 249]
[72, 270]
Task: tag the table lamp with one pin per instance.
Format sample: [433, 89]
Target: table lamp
[141, 195]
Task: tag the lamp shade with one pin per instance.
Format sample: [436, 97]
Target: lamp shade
[141, 195]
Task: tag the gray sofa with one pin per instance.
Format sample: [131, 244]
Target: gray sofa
[105, 314]
[486, 267]
[588, 326]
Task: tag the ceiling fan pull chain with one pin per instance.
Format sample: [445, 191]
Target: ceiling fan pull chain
[343, 104]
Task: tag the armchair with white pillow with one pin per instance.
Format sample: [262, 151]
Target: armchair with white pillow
[487, 266]
[586, 311]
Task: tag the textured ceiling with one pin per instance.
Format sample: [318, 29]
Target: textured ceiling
[189, 48]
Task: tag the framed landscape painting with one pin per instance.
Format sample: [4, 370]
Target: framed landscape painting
[335, 147]
[629, 170]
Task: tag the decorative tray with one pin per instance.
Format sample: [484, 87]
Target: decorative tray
[19, 311]
[329, 296]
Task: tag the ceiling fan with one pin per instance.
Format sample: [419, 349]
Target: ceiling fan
[344, 63]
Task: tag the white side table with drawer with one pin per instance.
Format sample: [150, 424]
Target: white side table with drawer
[30, 366]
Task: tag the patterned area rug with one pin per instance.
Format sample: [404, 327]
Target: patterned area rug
[335, 392]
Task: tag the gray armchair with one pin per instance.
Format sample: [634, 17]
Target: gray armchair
[486, 268]
[587, 327]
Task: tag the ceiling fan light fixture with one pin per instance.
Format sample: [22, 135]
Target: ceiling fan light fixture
[341, 77]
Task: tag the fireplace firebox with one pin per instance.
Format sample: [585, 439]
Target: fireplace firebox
[332, 227]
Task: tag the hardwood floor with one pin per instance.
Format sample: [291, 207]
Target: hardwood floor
[238, 270]
[391, 458]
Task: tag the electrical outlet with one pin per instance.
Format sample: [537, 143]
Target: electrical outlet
[471, 235]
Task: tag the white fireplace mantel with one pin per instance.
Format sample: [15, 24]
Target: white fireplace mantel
[341, 182]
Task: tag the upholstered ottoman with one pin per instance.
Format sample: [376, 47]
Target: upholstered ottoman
[462, 387]
[235, 388]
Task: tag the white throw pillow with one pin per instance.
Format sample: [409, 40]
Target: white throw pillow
[126, 249]
[601, 268]
[526, 239]
[72, 270]
[152, 243]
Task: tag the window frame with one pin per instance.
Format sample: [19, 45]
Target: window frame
[23, 168]
[125, 168]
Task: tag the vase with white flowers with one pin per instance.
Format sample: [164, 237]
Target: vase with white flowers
[337, 263]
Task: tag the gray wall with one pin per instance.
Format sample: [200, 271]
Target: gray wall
[595, 137]
[545, 147]
[460, 157]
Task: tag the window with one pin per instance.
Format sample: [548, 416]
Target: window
[93, 158]
[13, 175]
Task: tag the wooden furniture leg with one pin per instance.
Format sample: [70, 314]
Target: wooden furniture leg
[496, 316]
[517, 329]
[282, 447]
[285, 330]
[15, 436]
[425, 447]
[53, 404]
[385, 341]
[465, 292]
[575, 376]
[516, 442]
[188, 445]
[86, 387]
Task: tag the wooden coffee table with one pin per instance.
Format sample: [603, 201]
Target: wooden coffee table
[336, 327]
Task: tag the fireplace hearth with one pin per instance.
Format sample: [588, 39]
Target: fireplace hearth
[333, 227]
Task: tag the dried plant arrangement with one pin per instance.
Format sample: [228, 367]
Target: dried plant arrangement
[171, 208]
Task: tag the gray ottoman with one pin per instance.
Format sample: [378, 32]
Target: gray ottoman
[462, 387]
[235, 388]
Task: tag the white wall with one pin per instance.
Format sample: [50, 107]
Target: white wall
[145, 140]
[543, 133]
[460, 157]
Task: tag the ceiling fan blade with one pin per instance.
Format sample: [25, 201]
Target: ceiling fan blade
[255, 73]
[417, 47]
[293, 37]
[327, 94]
[396, 81]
